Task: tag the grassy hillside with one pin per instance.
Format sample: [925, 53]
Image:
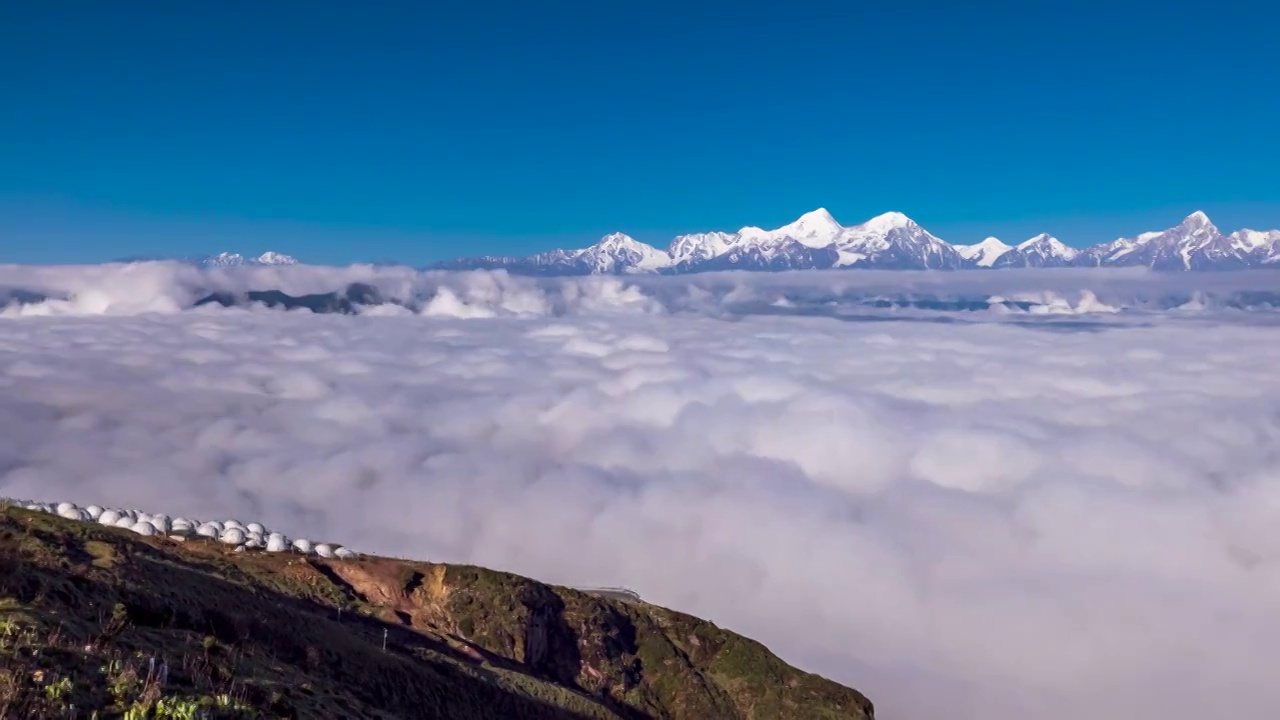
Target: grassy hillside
[100, 622]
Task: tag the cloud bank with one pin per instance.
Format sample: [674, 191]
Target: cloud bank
[170, 287]
[1030, 495]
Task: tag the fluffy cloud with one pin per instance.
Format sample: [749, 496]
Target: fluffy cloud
[1062, 503]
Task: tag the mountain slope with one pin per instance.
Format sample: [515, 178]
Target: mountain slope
[891, 241]
[1193, 244]
[106, 620]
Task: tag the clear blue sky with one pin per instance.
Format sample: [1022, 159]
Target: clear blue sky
[415, 131]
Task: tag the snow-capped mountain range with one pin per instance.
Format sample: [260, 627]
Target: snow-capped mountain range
[892, 241]
[235, 259]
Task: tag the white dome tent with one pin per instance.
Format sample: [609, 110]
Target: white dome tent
[244, 537]
[144, 528]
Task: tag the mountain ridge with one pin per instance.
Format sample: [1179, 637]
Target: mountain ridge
[230, 259]
[98, 618]
[890, 241]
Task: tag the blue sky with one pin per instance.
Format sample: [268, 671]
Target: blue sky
[415, 131]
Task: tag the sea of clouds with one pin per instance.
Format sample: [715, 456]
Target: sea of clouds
[999, 495]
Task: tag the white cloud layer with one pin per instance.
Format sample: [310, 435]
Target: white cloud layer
[1063, 508]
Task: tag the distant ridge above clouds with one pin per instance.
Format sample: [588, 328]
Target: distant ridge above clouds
[891, 241]
[228, 259]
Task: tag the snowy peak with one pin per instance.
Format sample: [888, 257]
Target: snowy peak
[1197, 221]
[1196, 228]
[890, 241]
[1193, 244]
[224, 259]
[1250, 240]
[275, 258]
[1046, 243]
[621, 244]
[815, 229]
[697, 247]
[228, 259]
[814, 221]
[616, 241]
[886, 229]
[893, 240]
[983, 254]
[1043, 250]
[888, 222]
[1033, 241]
[619, 252]
[991, 243]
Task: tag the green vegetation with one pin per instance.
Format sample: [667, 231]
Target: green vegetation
[99, 623]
